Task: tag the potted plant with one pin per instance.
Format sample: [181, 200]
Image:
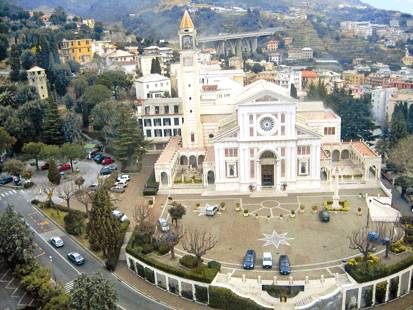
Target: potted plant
[246, 212]
[359, 211]
[268, 217]
[222, 206]
[237, 207]
[256, 215]
[302, 208]
[292, 214]
[281, 217]
[198, 205]
[150, 202]
[315, 208]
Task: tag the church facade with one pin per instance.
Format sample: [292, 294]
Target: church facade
[261, 139]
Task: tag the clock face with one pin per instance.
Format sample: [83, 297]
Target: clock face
[187, 42]
[267, 123]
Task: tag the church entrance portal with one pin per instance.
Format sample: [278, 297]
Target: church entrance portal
[267, 175]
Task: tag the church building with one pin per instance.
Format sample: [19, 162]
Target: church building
[261, 139]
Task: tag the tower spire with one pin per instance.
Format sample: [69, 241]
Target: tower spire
[186, 22]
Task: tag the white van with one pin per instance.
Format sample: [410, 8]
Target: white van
[266, 260]
[211, 210]
[163, 225]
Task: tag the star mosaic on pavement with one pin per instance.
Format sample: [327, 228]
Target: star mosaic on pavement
[276, 239]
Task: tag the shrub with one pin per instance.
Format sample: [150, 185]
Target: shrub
[315, 208]
[201, 294]
[151, 187]
[113, 257]
[246, 211]
[214, 265]
[381, 292]
[394, 287]
[140, 270]
[149, 275]
[147, 248]
[74, 223]
[398, 247]
[225, 299]
[163, 249]
[187, 294]
[302, 207]
[222, 205]
[188, 261]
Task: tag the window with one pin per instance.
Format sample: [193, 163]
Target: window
[157, 122]
[282, 151]
[158, 132]
[251, 118]
[176, 109]
[252, 169]
[303, 150]
[147, 122]
[282, 118]
[231, 170]
[251, 131]
[176, 121]
[177, 132]
[156, 109]
[329, 131]
[283, 130]
[166, 108]
[167, 133]
[148, 95]
[231, 152]
[211, 135]
[252, 153]
[149, 133]
[147, 110]
[283, 168]
[147, 86]
[303, 167]
[167, 122]
[192, 137]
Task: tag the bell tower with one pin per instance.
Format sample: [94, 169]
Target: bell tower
[188, 85]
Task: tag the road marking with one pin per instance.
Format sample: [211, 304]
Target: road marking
[4, 275]
[69, 286]
[14, 192]
[2, 195]
[8, 284]
[12, 294]
[19, 302]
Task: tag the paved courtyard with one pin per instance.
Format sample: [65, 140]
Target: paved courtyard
[314, 247]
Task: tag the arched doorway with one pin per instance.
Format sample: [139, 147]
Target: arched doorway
[336, 155]
[164, 178]
[211, 177]
[201, 159]
[192, 161]
[183, 160]
[345, 154]
[323, 174]
[268, 164]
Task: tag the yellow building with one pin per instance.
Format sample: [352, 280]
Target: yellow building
[354, 78]
[77, 50]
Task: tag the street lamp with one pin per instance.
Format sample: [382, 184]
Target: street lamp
[51, 266]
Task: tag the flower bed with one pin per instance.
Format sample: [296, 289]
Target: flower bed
[345, 206]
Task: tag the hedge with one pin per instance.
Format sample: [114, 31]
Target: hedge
[74, 223]
[377, 271]
[201, 294]
[201, 274]
[225, 299]
[58, 207]
[188, 261]
[214, 265]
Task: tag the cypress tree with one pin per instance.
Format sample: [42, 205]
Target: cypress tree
[293, 91]
[53, 174]
[52, 129]
[156, 66]
[14, 61]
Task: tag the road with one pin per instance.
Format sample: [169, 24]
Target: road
[63, 271]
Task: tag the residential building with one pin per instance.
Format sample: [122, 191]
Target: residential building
[152, 86]
[300, 54]
[122, 60]
[309, 78]
[90, 22]
[352, 77]
[102, 48]
[236, 63]
[77, 50]
[288, 42]
[37, 78]
[276, 58]
[272, 45]
[380, 100]
[407, 59]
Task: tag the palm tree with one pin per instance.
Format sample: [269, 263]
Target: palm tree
[177, 211]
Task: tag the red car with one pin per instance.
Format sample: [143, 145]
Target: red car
[65, 167]
[44, 167]
[107, 161]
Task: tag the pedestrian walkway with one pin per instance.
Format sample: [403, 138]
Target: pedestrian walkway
[4, 195]
[69, 286]
[152, 291]
[405, 303]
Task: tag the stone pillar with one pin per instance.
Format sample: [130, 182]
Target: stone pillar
[410, 282]
[238, 48]
[388, 290]
[221, 48]
[278, 174]
[254, 44]
[374, 295]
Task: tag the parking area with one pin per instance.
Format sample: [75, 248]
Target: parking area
[12, 295]
[313, 246]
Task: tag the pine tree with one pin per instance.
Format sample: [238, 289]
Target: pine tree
[129, 144]
[52, 128]
[53, 174]
[104, 228]
[398, 128]
[293, 91]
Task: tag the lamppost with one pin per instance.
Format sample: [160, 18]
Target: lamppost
[51, 267]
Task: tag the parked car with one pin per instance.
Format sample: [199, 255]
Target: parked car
[57, 242]
[44, 166]
[107, 161]
[121, 216]
[105, 171]
[93, 153]
[76, 258]
[284, 265]
[93, 187]
[249, 259]
[6, 180]
[113, 167]
[266, 260]
[65, 167]
[122, 182]
[163, 225]
[211, 210]
[123, 177]
[98, 158]
[117, 189]
[324, 216]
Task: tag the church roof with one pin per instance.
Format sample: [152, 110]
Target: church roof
[262, 88]
[35, 68]
[186, 22]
